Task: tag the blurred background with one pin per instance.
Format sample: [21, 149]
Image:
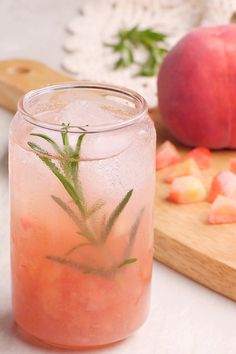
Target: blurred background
[76, 37]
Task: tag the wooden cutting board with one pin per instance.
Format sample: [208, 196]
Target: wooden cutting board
[183, 239]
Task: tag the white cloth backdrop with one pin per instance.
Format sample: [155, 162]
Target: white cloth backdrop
[98, 21]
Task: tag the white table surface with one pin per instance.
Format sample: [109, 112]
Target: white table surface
[185, 318]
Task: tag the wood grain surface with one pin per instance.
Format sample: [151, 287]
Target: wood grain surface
[18, 76]
[183, 239]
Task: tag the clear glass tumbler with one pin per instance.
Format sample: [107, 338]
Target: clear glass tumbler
[82, 181]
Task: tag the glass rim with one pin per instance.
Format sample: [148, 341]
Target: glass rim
[125, 92]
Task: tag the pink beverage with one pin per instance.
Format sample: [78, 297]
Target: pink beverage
[82, 178]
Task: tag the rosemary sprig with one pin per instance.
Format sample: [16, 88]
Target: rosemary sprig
[128, 40]
[67, 174]
[103, 271]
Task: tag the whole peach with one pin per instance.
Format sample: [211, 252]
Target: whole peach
[197, 88]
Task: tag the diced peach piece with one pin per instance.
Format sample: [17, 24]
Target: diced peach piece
[187, 189]
[232, 163]
[223, 183]
[166, 155]
[188, 167]
[222, 211]
[202, 156]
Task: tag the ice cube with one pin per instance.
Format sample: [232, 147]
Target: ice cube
[86, 111]
[107, 144]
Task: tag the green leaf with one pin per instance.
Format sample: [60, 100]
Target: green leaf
[90, 270]
[83, 229]
[127, 261]
[67, 209]
[66, 164]
[113, 217]
[55, 171]
[154, 36]
[97, 206]
[82, 267]
[78, 145]
[75, 248]
[129, 40]
[81, 128]
[50, 141]
[117, 47]
[37, 148]
[64, 134]
[133, 233]
[130, 57]
[146, 71]
[120, 63]
[74, 169]
[67, 185]
[72, 264]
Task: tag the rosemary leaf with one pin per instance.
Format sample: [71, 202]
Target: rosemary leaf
[127, 261]
[133, 233]
[78, 145]
[82, 267]
[128, 40]
[90, 270]
[75, 248]
[126, 58]
[38, 149]
[83, 229]
[102, 225]
[97, 206]
[115, 214]
[64, 134]
[148, 69]
[67, 209]
[74, 168]
[50, 141]
[155, 36]
[82, 128]
[86, 231]
[67, 185]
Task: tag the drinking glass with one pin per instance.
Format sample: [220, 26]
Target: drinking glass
[82, 181]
